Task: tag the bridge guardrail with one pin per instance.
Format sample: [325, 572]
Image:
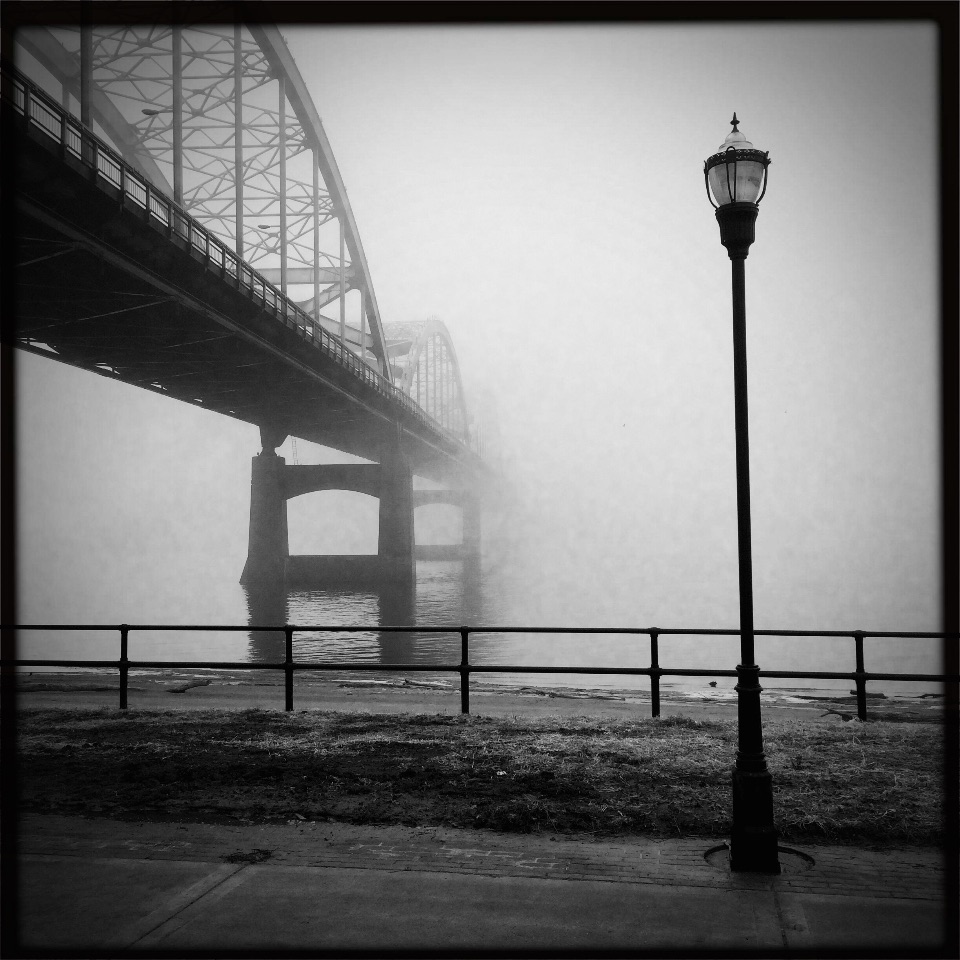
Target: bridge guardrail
[43, 113]
[464, 668]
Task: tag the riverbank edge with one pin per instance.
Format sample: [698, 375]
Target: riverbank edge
[207, 688]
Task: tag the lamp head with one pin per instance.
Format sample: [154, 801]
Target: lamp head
[737, 172]
[735, 178]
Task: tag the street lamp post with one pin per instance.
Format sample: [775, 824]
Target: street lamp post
[736, 176]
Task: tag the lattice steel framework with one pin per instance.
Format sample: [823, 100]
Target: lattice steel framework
[219, 118]
[425, 366]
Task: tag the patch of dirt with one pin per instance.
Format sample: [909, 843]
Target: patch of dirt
[256, 855]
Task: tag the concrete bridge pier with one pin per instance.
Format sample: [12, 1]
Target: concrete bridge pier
[273, 482]
[268, 545]
[395, 547]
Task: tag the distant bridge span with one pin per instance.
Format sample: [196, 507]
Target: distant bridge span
[182, 230]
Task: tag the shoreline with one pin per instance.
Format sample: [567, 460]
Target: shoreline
[219, 689]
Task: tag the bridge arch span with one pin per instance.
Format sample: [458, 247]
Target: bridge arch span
[424, 498]
[219, 117]
[354, 477]
[424, 365]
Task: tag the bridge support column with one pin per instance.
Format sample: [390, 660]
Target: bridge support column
[396, 543]
[268, 546]
[471, 525]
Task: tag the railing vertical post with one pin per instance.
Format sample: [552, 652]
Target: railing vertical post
[124, 631]
[464, 670]
[288, 666]
[654, 674]
[861, 683]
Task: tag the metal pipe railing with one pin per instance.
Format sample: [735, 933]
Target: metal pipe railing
[289, 665]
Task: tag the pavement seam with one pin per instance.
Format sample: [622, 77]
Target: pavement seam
[780, 918]
[142, 928]
[187, 914]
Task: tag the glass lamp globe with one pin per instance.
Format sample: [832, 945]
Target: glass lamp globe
[737, 172]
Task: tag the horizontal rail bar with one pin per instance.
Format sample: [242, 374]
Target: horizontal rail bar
[599, 671]
[136, 664]
[406, 628]
[234, 665]
[853, 675]
[905, 634]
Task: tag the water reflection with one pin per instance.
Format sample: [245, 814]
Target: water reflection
[266, 607]
[446, 595]
[472, 603]
[397, 608]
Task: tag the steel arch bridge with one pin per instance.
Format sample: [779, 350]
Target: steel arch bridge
[180, 224]
[218, 118]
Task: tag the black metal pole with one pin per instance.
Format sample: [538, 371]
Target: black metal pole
[288, 667]
[753, 843]
[654, 674]
[860, 682]
[742, 430]
[124, 669]
[464, 670]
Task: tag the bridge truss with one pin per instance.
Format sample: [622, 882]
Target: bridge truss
[218, 118]
[425, 367]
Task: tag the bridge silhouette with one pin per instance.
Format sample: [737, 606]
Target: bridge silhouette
[180, 224]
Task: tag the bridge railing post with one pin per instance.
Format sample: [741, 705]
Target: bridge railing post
[464, 670]
[64, 135]
[27, 105]
[88, 153]
[288, 666]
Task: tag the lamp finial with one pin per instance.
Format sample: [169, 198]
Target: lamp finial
[734, 122]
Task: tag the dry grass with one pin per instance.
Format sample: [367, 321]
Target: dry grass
[876, 783]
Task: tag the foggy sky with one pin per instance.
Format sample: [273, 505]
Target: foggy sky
[540, 190]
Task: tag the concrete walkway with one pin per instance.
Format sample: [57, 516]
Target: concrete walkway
[108, 887]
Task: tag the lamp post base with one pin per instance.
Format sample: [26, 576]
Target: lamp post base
[753, 840]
